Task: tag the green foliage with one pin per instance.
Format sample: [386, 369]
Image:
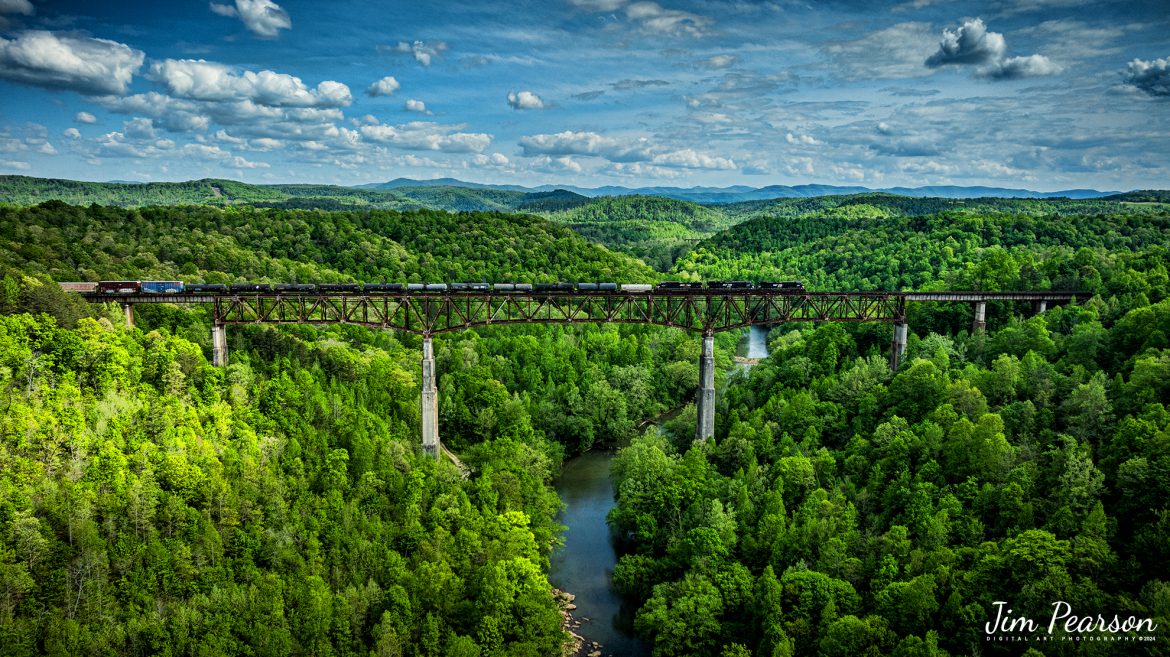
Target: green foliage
[883, 513]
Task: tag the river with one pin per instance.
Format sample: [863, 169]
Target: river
[757, 342]
[584, 566]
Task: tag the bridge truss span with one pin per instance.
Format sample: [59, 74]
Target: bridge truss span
[701, 310]
[428, 314]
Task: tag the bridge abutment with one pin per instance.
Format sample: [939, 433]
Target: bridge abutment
[980, 322]
[705, 400]
[219, 350]
[898, 345]
[430, 401]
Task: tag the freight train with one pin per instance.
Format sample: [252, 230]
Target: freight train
[131, 288]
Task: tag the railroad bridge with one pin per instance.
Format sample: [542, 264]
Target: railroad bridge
[701, 310]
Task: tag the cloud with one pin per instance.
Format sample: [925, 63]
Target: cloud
[589, 95]
[586, 143]
[1015, 68]
[892, 52]
[203, 80]
[22, 7]
[217, 154]
[720, 61]
[600, 5]
[495, 160]
[422, 51]
[801, 140]
[524, 100]
[424, 136]
[690, 159]
[413, 105]
[384, 87]
[970, 44]
[640, 170]
[85, 117]
[77, 63]
[638, 149]
[654, 18]
[72, 133]
[563, 164]
[262, 17]
[973, 44]
[15, 164]
[139, 128]
[627, 84]
[174, 114]
[651, 16]
[1152, 77]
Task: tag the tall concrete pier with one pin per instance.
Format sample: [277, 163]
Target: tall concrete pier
[430, 401]
[219, 350]
[705, 400]
[898, 345]
[980, 322]
[128, 313]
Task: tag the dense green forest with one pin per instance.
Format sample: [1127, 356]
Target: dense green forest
[154, 504]
[846, 510]
[879, 241]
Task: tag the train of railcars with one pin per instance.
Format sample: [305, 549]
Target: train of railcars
[129, 288]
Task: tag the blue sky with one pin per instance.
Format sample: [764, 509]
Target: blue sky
[1043, 94]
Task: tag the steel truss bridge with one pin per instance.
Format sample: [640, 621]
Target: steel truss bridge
[701, 310]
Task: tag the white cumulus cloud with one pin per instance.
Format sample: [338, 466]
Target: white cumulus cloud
[426, 136]
[262, 17]
[384, 87]
[413, 105]
[628, 151]
[973, 44]
[1014, 68]
[198, 79]
[690, 159]
[524, 100]
[85, 117]
[422, 51]
[801, 140]
[1152, 77]
[72, 133]
[59, 61]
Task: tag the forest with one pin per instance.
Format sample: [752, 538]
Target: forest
[153, 504]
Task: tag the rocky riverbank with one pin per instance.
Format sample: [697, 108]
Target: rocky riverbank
[577, 646]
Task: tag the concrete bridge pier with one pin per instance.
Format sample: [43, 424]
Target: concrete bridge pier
[898, 345]
[705, 400]
[128, 313]
[980, 322]
[219, 350]
[430, 401]
[1041, 306]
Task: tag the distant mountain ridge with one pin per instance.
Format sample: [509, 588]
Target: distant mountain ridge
[740, 193]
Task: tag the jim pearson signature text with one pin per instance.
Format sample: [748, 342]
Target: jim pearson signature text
[1063, 617]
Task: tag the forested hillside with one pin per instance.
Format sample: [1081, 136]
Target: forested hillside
[898, 243]
[657, 230]
[151, 503]
[846, 510]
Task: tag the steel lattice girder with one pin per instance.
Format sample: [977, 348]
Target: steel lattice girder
[438, 313]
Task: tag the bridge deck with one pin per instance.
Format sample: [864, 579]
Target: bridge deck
[700, 310]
